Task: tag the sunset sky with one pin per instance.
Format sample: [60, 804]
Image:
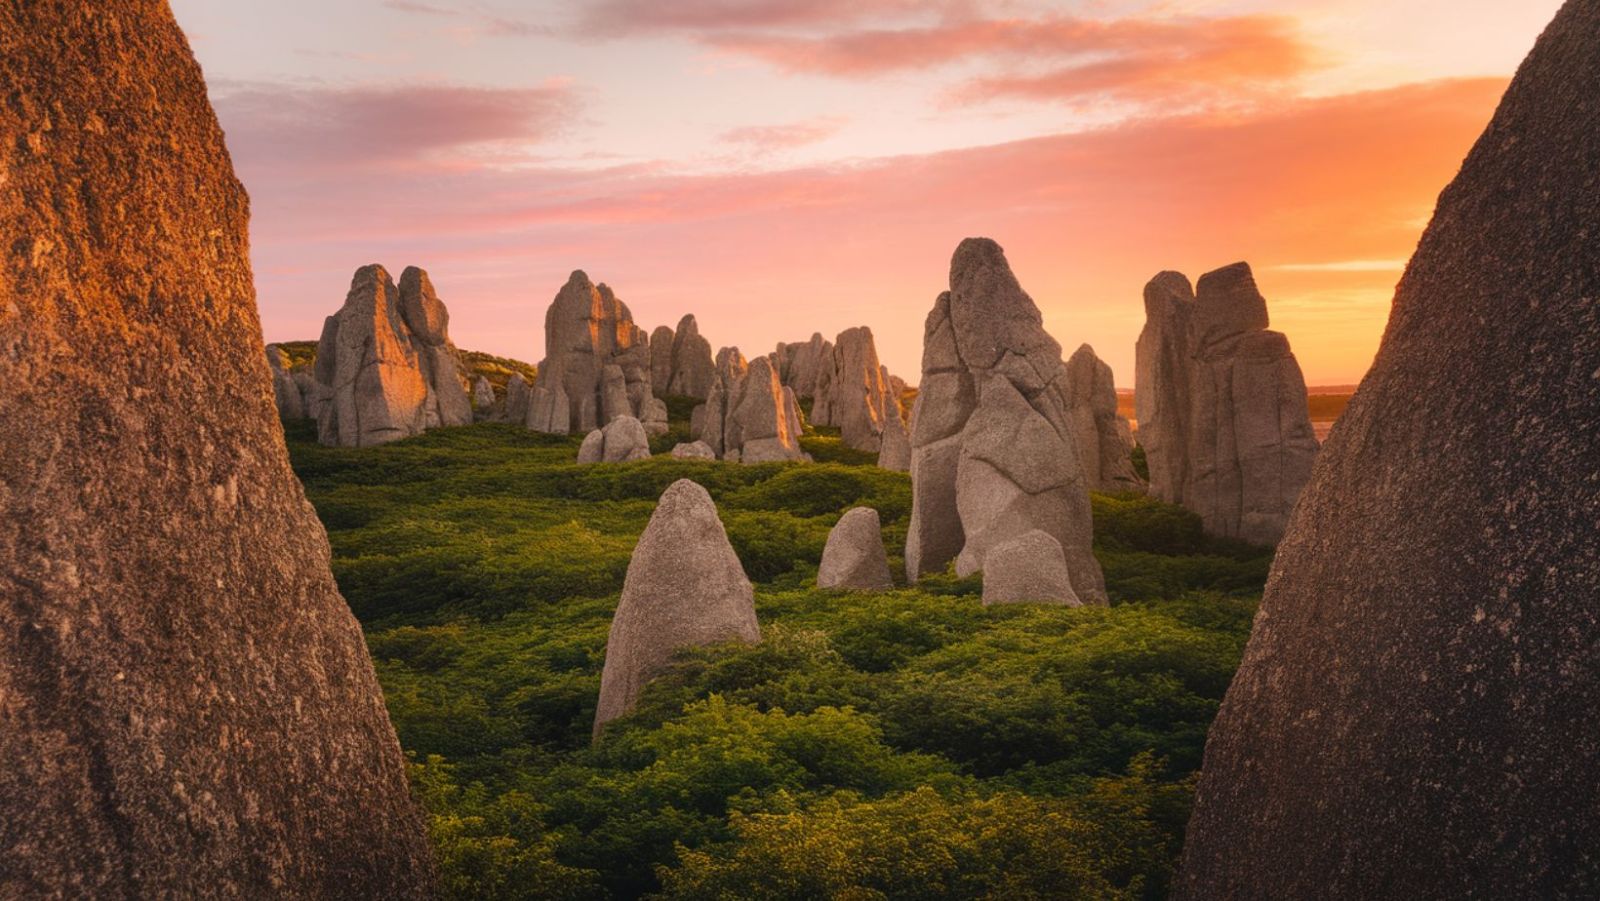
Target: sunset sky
[779, 167]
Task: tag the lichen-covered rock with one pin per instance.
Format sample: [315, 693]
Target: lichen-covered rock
[693, 450]
[1028, 569]
[286, 392]
[597, 362]
[1222, 405]
[854, 557]
[187, 708]
[1412, 717]
[385, 366]
[693, 370]
[993, 452]
[1104, 440]
[685, 588]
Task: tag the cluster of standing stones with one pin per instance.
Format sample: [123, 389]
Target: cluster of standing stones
[189, 708]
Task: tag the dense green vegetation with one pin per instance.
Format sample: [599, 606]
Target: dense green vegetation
[908, 743]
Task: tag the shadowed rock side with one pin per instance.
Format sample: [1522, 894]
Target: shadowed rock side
[800, 365]
[684, 588]
[693, 369]
[1413, 716]
[1105, 444]
[187, 708]
[385, 366]
[993, 454]
[597, 362]
[1228, 432]
[854, 557]
[286, 392]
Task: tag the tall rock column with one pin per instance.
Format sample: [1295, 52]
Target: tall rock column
[993, 453]
[187, 708]
[597, 362]
[1412, 718]
[693, 369]
[1103, 438]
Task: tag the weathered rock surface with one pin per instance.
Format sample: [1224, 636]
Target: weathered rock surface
[746, 416]
[518, 396]
[854, 556]
[993, 451]
[597, 363]
[685, 588]
[693, 370]
[801, 365]
[1105, 444]
[1411, 719]
[287, 392]
[854, 395]
[482, 394]
[623, 440]
[653, 413]
[1222, 405]
[693, 450]
[187, 708]
[385, 367]
[661, 359]
[1028, 569]
[896, 451]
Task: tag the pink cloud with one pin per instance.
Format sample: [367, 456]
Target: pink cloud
[286, 126]
[772, 138]
[613, 18]
[761, 257]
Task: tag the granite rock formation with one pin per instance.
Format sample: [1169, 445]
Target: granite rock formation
[519, 395]
[993, 450]
[685, 588]
[287, 392]
[1028, 569]
[187, 708]
[801, 365]
[1222, 405]
[854, 393]
[596, 365]
[896, 451]
[747, 416]
[854, 557]
[385, 366]
[1105, 443]
[483, 397]
[1411, 718]
[693, 370]
[623, 440]
[693, 450]
[661, 359]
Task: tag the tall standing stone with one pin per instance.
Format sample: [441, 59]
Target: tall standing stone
[1229, 434]
[747, 415]
[1103, 437]
[854, 558]
[685, 588]
[800, 365]
[993, 453]
[693, 369]
[187, 708]
[1412, 716]
[661, 359]
[596, 365]
[855, 395]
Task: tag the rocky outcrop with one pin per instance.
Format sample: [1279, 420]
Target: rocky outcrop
[385, 366]
[693, 450]
[685, 588]
[1410, 718]
[623, 440]
[693, 370]
[896, 451]
[597, 362]
[1105, 443]
[854, 557]
[518, 397]
[746, 416]
[287, 393]
[187, 708]
[1222, 405]
[661, 359]
[993, 452]
[801, 365]
[1028, 569]
[483, 398]
[854, 394]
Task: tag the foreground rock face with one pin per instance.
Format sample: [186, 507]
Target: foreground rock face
[385, 366]
[747, 415]
[1028, 569]
[623, 440]
[596, 365]
[187, 708]
[854, 557]
[1222, 405]
[1406, 722]
[684, 588]
[1105, 443]
[993, 453]
[853, 391]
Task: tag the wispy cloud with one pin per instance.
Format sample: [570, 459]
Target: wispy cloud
[617, 18]
[773, 138]
[477, 18]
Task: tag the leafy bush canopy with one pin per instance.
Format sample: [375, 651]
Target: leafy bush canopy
[907, 743]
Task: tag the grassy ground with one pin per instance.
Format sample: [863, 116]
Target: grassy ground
[907, 743]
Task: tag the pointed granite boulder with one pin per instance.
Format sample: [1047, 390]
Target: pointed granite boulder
[1028, 569]
[855, 394]
[187, 707]
[1102, 435]
[1413, 714]
[596, 365]
[854, 557]
[693, 369]
[685, 588]
[993, 452]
